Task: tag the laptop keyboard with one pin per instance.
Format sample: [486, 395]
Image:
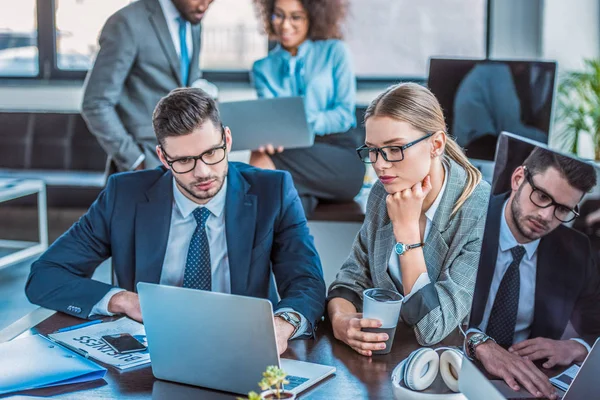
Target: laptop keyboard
[295, 381]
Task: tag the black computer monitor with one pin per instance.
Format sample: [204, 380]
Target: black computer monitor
[482, 98]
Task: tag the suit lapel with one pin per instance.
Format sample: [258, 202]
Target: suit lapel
[550, 284]
[152, 224]
[487, 260]
[195, 60]
[159, 23]
[240, 226]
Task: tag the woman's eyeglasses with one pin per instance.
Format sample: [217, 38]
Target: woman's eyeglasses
[294, 19]
[369, 155]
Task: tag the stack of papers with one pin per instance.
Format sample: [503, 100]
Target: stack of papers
[35, 362]
[88, 342]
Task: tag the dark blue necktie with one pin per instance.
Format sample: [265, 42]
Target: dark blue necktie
[184, 57]
[503, 318]
[197, 267]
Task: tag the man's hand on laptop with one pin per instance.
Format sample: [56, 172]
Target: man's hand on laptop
[556, 352]
[514, 370]
[283, 333]
[127, 303]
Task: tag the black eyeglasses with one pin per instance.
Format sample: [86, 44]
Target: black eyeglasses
[542, 199]
[369, 155]
[209, 157]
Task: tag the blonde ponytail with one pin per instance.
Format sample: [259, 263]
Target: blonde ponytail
[455, 153]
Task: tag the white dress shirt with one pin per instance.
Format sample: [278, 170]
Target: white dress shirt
[394, 262]
[172, 16]
[183, 225]
[527, 275]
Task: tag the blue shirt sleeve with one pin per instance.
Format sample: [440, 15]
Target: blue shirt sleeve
[340, 116]
[260, 82]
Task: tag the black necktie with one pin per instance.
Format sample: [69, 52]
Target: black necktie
[503, 318]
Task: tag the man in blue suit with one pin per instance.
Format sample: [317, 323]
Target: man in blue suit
[198, 222]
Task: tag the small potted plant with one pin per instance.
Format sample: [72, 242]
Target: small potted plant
[272, 386]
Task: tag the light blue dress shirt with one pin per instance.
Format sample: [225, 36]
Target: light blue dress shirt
[181, 230]
[322, 73]
[527, 274]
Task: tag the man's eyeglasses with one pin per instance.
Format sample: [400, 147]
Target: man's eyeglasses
[369, 155]
[209, 157]
[295, 19]
[542, 199]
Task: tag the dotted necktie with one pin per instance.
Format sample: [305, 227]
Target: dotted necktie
[197, 273]
[503, 318]
[183, 51]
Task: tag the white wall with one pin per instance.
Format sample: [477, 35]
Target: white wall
[515, 29]
[571, 31]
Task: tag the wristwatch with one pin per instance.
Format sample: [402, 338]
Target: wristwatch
[291, 318]
[401, 248]
[474, 341]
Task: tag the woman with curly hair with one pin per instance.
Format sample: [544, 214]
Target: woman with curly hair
[311, 61]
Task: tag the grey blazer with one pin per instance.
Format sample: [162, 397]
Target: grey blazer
[137, 65]
[451, 251]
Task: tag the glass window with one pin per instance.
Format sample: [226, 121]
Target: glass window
[231, 36]
[397, 38]
[18, 38]
[78, 25]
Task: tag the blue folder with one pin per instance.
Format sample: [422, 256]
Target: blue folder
[36, 362]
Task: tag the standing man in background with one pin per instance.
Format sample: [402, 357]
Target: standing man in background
[147, 49]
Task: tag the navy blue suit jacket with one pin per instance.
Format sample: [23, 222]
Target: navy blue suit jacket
[266, 232]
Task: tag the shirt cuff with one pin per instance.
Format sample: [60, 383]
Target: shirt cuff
[587, 346]
[101, 307]
[302, 330]
[137, 162]
[422, 281]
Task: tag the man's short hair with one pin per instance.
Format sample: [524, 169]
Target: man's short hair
[182, 111]
[578, 174]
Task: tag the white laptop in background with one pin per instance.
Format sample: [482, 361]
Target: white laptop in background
[215, 340]
[474, 385]
[280, 121]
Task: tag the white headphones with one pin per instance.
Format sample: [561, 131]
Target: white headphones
[419, 370]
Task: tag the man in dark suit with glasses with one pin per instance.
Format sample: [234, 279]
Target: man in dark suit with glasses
[535, 275]
[198, 221]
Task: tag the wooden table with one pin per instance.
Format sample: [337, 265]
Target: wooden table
[357, 377]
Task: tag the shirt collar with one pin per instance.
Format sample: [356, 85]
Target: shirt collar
[430, 213]
[216, 205]
[507, 239]
[169, 10]
[302, 50]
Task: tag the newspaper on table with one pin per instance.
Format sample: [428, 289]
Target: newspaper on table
[88, 342]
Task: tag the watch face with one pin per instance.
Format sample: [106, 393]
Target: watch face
[400, 248]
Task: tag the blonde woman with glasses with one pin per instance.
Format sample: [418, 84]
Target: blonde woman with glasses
[424, 224]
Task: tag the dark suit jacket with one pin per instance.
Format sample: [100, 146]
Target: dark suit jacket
[136, 66]
[567, 280]
[266, 232]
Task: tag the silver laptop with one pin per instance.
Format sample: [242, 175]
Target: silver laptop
[474, 385]
[215, 340]
[279, 121]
